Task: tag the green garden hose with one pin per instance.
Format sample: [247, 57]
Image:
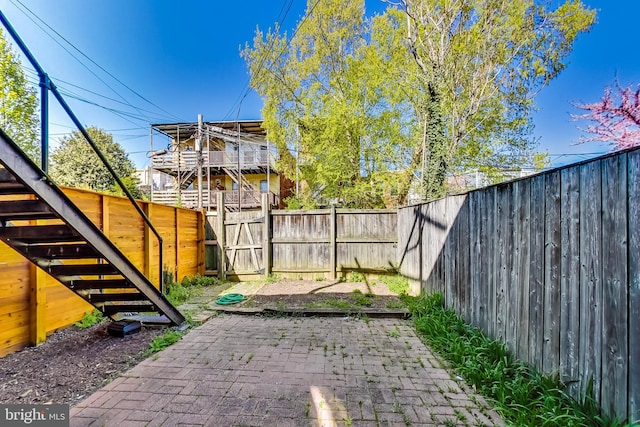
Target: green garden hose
[230, 299]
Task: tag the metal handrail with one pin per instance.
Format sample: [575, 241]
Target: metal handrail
[47, 85]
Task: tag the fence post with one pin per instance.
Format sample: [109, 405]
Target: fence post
[222, 270]
[201, 237]
[148, 246]
[332, 243]
[38, 305]
[266, 241]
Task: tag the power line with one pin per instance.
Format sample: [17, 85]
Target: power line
[89, 59]
[247, 87]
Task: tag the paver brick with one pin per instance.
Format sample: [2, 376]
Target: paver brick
[246, 371]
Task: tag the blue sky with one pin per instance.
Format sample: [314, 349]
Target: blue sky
[184, 58]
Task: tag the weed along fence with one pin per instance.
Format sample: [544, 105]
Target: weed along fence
[304, 243]
[550, 265]
[33, 304]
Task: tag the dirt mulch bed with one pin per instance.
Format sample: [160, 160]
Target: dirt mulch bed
[72, 364]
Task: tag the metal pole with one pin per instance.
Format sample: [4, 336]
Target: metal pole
[268, 173]
[199, 160]
[178, 179]
[45, 84]
[208, 166]
[150, 177]
[239, 173]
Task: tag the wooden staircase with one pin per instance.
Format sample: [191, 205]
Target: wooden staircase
[39, 221]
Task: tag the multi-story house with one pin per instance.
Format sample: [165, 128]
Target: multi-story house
[207, 158]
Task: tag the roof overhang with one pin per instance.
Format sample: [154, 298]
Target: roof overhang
[245, 129]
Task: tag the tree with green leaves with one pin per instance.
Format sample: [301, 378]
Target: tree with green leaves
[481, 63]
[18, 102]
[361, 108]
[328, 106]
[75, 164]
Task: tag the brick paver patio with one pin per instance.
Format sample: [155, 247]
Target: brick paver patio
[281, 371]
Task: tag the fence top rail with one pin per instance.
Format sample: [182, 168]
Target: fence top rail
[327, 211]
[536, 175]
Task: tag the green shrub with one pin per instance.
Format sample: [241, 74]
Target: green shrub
[89, 319]
[397, 284]
[177, 294]
[199, 281]
[356, 277]
[361, 299]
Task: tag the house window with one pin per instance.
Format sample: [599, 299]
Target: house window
[234, 186]
[263, 186]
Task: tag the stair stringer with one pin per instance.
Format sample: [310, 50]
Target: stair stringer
[25, 171]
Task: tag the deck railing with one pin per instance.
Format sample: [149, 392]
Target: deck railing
[188, 159]
[189, 198]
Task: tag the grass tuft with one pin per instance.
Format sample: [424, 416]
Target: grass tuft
[397, 284]
[521, 395]
[163, 341]
[356, 277]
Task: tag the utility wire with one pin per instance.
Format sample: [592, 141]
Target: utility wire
[89, 59]
[247, 88]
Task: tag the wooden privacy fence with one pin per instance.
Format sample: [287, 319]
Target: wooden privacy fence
[33, 304]
[305, 243]
[550, 265]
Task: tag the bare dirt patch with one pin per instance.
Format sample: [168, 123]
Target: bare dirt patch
[72, 364]
[297, 294]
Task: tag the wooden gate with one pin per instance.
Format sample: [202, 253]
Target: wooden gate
[243, 237]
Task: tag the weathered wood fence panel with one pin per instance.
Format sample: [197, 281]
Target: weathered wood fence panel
[306, 243]
[550, 265]
[33, 304]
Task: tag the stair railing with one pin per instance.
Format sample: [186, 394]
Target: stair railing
[47, 85]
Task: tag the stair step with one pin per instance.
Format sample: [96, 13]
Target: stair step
[110, 310]
[6, 176]
[13, 188]
[64, 251]
[100, 298]
[25, 210]
[40, 234]
[81, 285]
[82, 270]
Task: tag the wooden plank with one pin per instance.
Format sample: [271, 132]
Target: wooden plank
[333, 262]
[512, 241]
[462, 279]
[536, 271]
[552, 261]
[252, 247]
[489, 236]
[301, 241]
[266, 235]
[522, 265]
[148, 238]
[504, 254]
[38, 306]
[234, 242]
[634, 283]
[615, 357]
[570, 280]
[440, 216]
[590, 276]
[477, 292]
[244, 221]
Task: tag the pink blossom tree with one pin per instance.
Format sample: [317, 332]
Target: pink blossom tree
[614, 119]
